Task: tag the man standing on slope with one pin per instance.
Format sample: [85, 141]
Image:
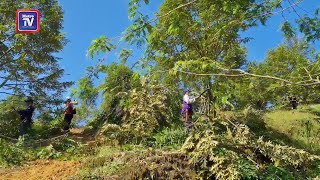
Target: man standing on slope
[69, 111]
[293, 102]
[187, 110]
[26, 117]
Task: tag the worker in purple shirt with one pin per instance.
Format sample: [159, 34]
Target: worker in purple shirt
[187, 110]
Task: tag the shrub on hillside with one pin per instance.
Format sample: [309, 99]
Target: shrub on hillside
[170, 137]
[137, 164]
[12, 154]
[220, 154]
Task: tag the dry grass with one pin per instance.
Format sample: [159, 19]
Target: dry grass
[300, 126]
[42, 169]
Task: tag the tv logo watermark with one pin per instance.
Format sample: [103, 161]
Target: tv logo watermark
[28, 21]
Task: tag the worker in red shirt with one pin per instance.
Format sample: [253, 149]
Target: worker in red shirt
[69, 111]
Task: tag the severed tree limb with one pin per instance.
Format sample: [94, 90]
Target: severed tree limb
[1, 92]
[308, 73]
[171, 11]
[243, 74]
[4, 82]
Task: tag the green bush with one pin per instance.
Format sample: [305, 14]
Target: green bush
[173, 138]
[275, 173]
[68, 145]
[43, 129]
[58, 149]
[48, 153]
[315, 109]
[119, 135]
[12, 154]
[247, 169]
[9, 119]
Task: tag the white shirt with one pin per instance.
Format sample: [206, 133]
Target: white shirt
[188, 99]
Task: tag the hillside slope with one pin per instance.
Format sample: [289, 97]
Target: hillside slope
[301, 126]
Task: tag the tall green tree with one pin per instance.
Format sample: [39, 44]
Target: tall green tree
[191, 38]
[86, 95]
[200, 37]
[291, 62]
[28, 64]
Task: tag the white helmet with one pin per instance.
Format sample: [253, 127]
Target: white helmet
[68, 98]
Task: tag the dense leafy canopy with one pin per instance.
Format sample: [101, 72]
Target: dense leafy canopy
[28, 63]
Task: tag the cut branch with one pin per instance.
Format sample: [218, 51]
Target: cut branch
[11, 94]
[171, 11]
[244, 73]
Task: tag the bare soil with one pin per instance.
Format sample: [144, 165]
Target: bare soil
[42, 169]
[48, 169]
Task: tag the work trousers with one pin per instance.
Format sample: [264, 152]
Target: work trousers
[187, 116]
[25, 127]
[67, 121]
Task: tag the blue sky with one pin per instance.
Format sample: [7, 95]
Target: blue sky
[87, 20]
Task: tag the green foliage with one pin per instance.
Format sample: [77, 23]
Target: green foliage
[144, 110]
[62, 148]
[273, 173]
[140, 164]
[28, 62]
[87, 95]
[289, 62]
[124, 55]
[120, 78]
[315, 173]
[96, 123]
[315, 109]
[302, 127]
[119, 81]
[217, 147]
[147, 110]
[170, 138]
[287, 30]
[48, 152]
[310, 26]
[9, 119]
[116, 135]
[247, 169]
[68, 146]
[100, 45]
[12, 154]
[202, 37]
[137, 32]
[43, 129]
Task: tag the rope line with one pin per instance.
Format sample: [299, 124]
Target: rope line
[8, 138]
[35, 141]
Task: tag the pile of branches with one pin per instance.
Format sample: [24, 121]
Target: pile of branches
[148, 164]
[145, 111]
[224, 149]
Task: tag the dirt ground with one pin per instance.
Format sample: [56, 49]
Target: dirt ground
[48, 169]
[42, 169]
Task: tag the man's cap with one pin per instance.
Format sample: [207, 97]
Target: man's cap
[186, 90]
[68, 98]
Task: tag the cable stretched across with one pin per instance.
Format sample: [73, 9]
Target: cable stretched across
[32, 142]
